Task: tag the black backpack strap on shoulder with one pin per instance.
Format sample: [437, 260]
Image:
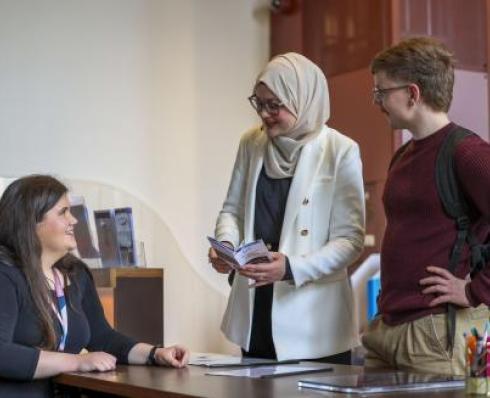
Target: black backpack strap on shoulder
[450, 194]
[455, 206]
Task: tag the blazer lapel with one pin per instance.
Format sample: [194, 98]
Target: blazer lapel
[306, 170]
[256, 163]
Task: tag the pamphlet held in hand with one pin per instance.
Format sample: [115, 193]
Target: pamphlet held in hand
[250, 253]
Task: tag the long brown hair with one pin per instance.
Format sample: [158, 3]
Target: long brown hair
[24, 204]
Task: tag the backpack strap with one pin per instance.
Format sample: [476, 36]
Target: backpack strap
[456, 207]
[450, 194]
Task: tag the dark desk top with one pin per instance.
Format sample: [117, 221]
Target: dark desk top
[155, 382]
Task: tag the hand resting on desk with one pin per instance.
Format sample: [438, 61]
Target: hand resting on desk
[176, 356]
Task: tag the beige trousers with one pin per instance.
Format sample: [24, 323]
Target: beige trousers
[420, 345]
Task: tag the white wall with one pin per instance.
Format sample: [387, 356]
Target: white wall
[470, 102]
[148, 96]
[469, 107]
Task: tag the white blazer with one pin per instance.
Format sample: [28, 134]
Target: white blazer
[322, 234]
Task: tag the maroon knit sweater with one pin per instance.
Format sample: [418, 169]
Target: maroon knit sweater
[418, 232]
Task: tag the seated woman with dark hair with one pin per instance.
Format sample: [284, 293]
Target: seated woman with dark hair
[49, 308]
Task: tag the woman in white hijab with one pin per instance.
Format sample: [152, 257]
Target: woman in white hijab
[296, 184]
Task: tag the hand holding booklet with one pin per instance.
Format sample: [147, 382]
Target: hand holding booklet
[249, 253]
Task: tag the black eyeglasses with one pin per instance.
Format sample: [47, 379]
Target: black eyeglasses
[271, 106]
[379, 93]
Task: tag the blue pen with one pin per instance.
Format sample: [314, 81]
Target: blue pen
[485, 332]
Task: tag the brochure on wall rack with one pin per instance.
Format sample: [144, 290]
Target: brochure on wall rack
[221, 361]
[83, 235]
[249, 253]
[125, 235]
[115, 233]
[372, 383]
[263, 372]
[107, 236]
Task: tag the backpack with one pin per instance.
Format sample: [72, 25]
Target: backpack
[456, 207]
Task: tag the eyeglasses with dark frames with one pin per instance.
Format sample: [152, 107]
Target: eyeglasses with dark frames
[379, 93]
[271, 106]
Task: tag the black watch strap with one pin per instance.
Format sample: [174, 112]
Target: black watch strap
[151, 356]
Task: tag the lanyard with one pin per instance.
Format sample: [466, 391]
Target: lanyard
[60, 309]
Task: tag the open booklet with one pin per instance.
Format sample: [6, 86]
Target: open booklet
[371, 383]
[250, 253]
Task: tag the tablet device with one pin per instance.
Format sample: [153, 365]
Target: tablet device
[371, 383]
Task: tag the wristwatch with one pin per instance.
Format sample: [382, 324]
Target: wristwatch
[151, 356]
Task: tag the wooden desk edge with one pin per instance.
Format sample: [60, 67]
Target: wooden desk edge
[112, 387]
[107, 277]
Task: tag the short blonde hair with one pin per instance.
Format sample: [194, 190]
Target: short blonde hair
[424, 61]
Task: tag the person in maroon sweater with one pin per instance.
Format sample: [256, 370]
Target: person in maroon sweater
[413, 88]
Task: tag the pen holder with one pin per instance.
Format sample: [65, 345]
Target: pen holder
[477, 380]
[477, 386]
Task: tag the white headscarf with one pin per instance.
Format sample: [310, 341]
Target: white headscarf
[302, 87]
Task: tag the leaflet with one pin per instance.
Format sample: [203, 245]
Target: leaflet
[262, 372]
[250, 253]
[220, 361]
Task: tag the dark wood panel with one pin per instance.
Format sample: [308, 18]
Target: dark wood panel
[354, 114]
[462, 25]
[132, 299]
[287, 30]
[138, 308]
[343, 36]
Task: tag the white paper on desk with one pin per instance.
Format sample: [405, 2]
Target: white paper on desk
[210, 360]
[220, 361]
[267, 371]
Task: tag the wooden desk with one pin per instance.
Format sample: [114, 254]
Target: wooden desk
[154, 382]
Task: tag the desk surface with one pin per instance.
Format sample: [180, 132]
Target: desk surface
[154, 382]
